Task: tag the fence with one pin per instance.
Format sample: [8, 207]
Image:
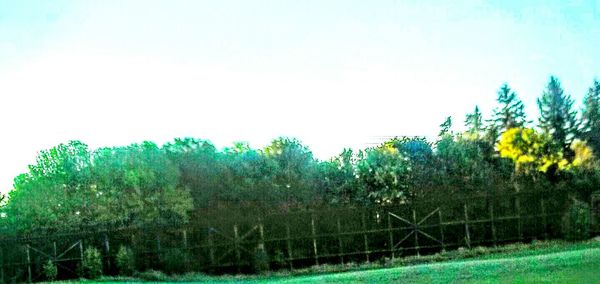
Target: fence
[229, 241]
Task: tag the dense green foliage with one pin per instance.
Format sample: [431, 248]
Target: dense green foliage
[72, 187]
[591, 117]
[175, 261]
[557, 116]
[50, 270]
[91, 265]
[576, 221]
[260, 262]
[125, 261]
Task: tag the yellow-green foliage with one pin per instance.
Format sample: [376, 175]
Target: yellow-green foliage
[584, 155]
[530, 150]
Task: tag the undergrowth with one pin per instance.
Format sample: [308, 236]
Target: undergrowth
[504, 251]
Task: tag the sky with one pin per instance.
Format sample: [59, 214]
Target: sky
[334, 74]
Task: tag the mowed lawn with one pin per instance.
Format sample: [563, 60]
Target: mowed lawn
[577, 266]
[580, 266]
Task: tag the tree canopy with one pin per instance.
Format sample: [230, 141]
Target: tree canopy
[71, 186]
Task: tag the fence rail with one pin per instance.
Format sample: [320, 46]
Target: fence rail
[217, 242]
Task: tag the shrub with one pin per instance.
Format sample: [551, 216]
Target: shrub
[279, 259]
[261, 260]
[50, 270]
[175, 261]
[576, 221]
[92, 263]
[125, 261]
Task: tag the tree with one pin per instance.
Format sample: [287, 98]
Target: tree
[338, 178]
[445, 127]
[462, 166]
[138, 185]
[591, 117]
[557, 117]
[56, 193]
[420, 161]
[509, 114]
[294, 170]
[248, 177]
[528, 150]
[201, 168]
[383, 174]
[474, 124]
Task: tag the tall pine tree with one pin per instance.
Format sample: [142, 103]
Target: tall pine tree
[557, 116]
[510, 112]
[591, 118]
[445, 127]
[474, 123]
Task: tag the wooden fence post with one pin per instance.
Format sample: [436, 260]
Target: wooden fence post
[28, 265]
[81, 251]
[441, 226]
[340, 243]
[544, 218]
[238, 256]
[2, 263]
[467, 234]
[314, 238]
[391, 233]
[364, 228]
[211, 247]
[519, 222]
[261, 234]
[493, 224]
[185, 248]
[158, 248]
[416, 231]
[289, 245]
[107, 248]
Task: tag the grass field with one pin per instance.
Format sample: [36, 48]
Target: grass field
[579, 266]
[546, 263]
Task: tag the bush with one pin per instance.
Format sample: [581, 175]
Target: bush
[576, 221]
[125, 261]
[50, 270]
[261, 261]
[91, 264]
[175, 261]
[279, 259]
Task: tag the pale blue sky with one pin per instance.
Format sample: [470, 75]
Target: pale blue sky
[334, 74]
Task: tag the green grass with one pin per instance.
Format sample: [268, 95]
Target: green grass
[542, 262]
[579, 266]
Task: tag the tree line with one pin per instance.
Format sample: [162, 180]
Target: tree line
[71, 186]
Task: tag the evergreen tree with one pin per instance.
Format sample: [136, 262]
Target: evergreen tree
[510, 112]
[591, 117]
[445, 126]
[557, 116]
[474, 124]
